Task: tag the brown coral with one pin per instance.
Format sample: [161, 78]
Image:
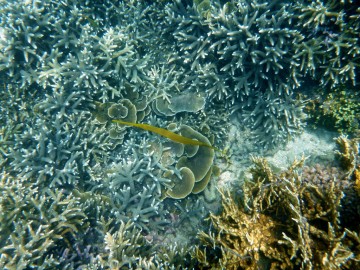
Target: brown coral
[125, 109]
[280, 222]
[247, 241]
[183, 186]
[198, 160]
[357, 180]
[349, 150]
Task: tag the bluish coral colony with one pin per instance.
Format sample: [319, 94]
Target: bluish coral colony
[79, 191]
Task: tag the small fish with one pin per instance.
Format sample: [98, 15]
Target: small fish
[166, 133]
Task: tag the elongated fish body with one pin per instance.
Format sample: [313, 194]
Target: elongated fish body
[165, 133]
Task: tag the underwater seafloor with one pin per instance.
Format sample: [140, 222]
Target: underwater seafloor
[179, 134]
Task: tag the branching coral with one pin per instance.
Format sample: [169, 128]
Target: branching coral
[281, 222]
[348, 154]
[109, 59]
[245, 53]
[124, 246]
[132, 187]
[35, 223]
[335, 27]
[127, 248]
[59, 58]
[49, 153]
[192, 63]
[238, 52]
[249, 43]
[338, 109]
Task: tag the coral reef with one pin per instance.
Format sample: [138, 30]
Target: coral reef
[133, 189]
[35, 224]
[280, 222]
[332, 29]
[80, 191]
[128, 249]
[108, 59]
[338, 109]
[349, 154]
[255, 56]
[252, 44]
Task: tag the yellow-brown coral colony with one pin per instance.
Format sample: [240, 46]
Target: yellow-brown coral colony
[281, 222]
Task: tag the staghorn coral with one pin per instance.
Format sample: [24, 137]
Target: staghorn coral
[254, 56]
[132, 187]
[126, 248]
[34, 224]
[280, 222]
[322, 176]
[50, 152]
[280, 119]
[233, 51]
[333, 28]
[245, 240]
[49, 138]
[348, 154]
[123, 247]
[236, 34]
[109, 59]
[58, 57]
[237, 52]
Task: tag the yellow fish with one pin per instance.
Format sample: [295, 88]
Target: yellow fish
[166, 133]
